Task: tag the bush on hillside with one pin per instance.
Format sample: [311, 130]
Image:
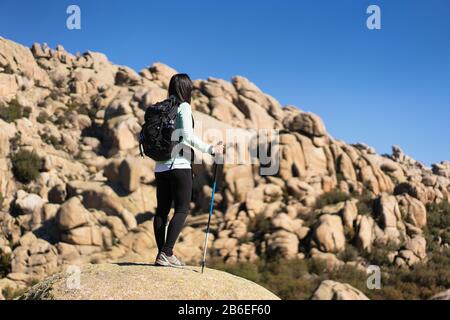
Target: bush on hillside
[260, 224]
[332, 197]
[5, 264]
[53, 141]
[11, 294]
[422, 281]
[445, 236]
[350, 253]
[42, 117]
[365, 202]
[438, 224]
[438, 216]
[14, 111]
[26, 165]
[89, 110]
[297, 279]
[378, 254]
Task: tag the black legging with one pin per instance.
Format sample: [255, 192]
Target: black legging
[173, 185]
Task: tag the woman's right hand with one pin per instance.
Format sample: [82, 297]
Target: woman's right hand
[218, 149]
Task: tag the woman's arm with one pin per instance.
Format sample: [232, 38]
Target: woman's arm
[189, 138]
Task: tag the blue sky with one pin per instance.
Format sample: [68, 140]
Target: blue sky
[382, 87]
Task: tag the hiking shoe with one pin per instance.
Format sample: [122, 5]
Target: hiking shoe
[157, 257]
[168, 261]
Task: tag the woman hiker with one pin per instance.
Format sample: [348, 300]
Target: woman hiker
[174, 176]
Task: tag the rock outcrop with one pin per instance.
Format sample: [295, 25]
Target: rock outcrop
[88, 197]
[332, 290]
[146, 282]
[442, 296]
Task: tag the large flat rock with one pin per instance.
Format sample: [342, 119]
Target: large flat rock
[146, 282]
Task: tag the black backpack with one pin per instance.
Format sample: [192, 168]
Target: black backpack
[155, 139]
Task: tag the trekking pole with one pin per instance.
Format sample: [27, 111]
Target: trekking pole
[210, 214]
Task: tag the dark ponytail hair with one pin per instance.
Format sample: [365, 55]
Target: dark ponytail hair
[181, 87]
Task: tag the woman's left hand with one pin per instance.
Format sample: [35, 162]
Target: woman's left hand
[218, 149]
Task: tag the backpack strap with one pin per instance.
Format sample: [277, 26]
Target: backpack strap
[172, 163]
[177, 102]
[181, 138]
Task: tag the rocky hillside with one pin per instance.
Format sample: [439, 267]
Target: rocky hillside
[74, 190]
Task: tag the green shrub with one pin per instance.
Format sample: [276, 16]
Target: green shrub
[56, 94]
[5, 264]
[89, 110]
[445, 236]
[26, 165]
[286, 278]
[260, 225]
[26, 111]
[365, 206]
[60, 83]
[379, 253]
[340, 177]
[298, 279]
[349, 254]
[293, 279]
[310, 219]
[438, 224]
[378, 256]
[317, 267]
[61, 120]
[248, 271]
[8, 69]
[14, 111]
[332, 197]
[14, 142]
[42, 117]
[11, 113]
[365, 202]
[52, 140]
[11, 294]
[438, 216]
[289, 279]
[351, 275]
[1, 200]
[420, 282]
[245, 239]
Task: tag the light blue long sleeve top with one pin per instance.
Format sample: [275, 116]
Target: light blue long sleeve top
[184, 124]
